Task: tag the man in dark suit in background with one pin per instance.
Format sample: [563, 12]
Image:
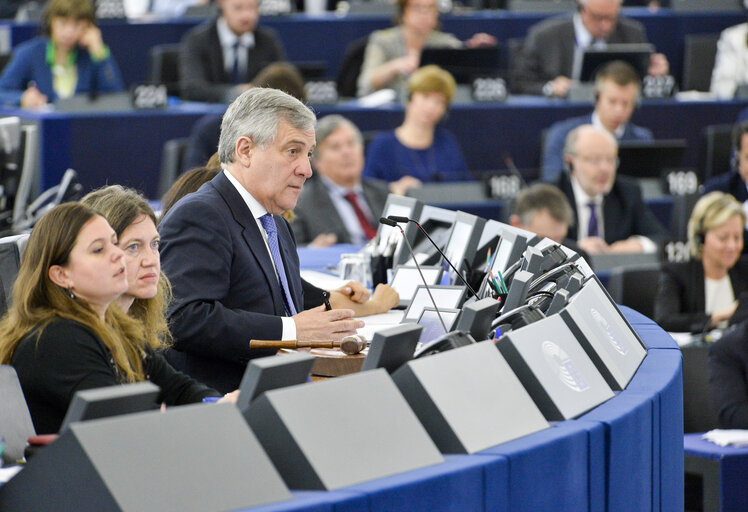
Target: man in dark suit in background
[735, 181]
[616, 95]
[337, 206]
[231, 257]
[611, 214]
[219, 59]
[550, 60]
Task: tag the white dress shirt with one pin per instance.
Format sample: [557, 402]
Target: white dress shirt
[257, 210]
[346, 211]
[227, 38]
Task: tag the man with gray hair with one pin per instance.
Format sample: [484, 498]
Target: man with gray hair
[337, 205]
[229, 254]
[551, 56]
[611, 214]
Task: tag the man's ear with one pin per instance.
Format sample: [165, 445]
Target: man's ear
[59, 276]
[243, 150]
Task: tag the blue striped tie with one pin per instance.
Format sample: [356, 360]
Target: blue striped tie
[268, 223]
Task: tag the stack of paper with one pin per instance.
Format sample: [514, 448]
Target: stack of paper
[727, 437]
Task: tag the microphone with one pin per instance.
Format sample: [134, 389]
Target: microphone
[396, 218]
[393, 222]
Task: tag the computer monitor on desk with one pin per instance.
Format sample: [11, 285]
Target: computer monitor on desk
[465, 64]
[636, 54]
[649, 159]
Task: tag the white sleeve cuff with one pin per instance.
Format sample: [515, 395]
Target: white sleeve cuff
[289, 328]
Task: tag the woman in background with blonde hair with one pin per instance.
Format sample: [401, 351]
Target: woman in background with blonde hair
[702, 293]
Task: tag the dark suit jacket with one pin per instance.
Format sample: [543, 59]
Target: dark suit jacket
[548, 51]
[552, 159]
[730, 183]
[316, 213]
[225, 289]
[728, 377]
[680, 302]
[624, 212]
[202, 76]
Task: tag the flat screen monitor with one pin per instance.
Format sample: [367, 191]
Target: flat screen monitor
[402, 207]
[444, 296]
[648, 159]
[432, 325]
[91, 404]
[465, 64]
[462, 242]
[437, 222]
[392, 347]
[636, 54]
[407, 279]
[266, 373]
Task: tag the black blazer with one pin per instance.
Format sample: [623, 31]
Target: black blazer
[316, 213]
[225, 288]
[548, 51]
[624, 211]
[680, 301]
[202, 76]
[728, 377]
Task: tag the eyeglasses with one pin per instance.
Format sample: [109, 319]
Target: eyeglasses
[600, 160]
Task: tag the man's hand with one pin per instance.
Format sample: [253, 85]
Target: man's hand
[630, 245]
[229, 397]
[594, 245]
[385, 298]
[723, 315]
[481, 39]
[355, 291]
[560, 86]
[320, 325]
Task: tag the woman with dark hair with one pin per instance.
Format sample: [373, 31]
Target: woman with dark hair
[702, 293]
[69, 58]
[63, 332]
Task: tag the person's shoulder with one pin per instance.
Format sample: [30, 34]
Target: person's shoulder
[733, 342]
[74, 332]
[551, 25]
[627, 185]
[722, 182]
[200, 31]
[199, 205]
[382, 139]
[35, 45]
[384, 34]
[266, 33]
[375, 185]
[566, 125]
[630, 24]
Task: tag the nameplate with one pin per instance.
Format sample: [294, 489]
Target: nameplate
[324, 91]
[658, 86]
[489, 89]
[149, 96]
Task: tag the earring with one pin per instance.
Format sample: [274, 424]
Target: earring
[70, 292]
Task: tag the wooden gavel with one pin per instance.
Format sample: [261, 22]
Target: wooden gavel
[350, 345]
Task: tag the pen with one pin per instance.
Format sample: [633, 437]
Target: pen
[326, 297]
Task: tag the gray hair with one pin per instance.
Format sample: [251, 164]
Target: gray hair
[329, 124]
[255, 114]
[570, 144]
[540, 196]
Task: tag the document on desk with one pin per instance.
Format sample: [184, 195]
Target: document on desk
[724, 437]
[376, 323]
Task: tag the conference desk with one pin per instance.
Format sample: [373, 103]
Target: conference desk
[626, 454]
[300, 33]
[125, 147]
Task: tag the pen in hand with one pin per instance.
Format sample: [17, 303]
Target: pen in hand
[326, 297]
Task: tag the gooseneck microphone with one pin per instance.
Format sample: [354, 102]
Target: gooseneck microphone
[396, 218]
[394, 224]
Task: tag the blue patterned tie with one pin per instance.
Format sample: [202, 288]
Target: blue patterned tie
[592, 226]
[268, 223]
